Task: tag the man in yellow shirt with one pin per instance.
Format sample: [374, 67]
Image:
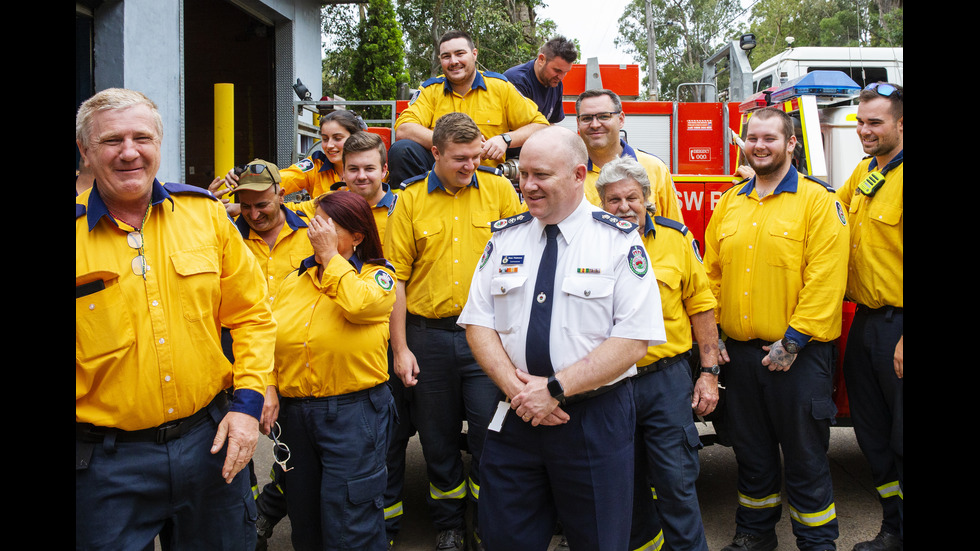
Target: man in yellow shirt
[873, 361]
[159, 268]
[436, 234]
[666, 436]
[599, 115]
[775, 253]
[505, 117]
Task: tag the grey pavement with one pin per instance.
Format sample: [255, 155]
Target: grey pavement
[858, 512]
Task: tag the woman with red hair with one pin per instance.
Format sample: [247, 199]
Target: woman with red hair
[331, 369]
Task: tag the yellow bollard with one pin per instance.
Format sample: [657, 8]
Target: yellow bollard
[224, 128]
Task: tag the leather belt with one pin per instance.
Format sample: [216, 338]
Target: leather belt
[87, 432]
[661, 364]
[593, 393]
[446, 324]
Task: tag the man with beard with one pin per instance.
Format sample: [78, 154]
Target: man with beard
[873, 361]
[775, 255]
[504, 116]
[540, 79]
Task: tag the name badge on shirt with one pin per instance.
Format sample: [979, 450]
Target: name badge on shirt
[512, 259]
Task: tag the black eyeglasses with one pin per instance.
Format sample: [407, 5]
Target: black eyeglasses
[603, 117]
[884, 89]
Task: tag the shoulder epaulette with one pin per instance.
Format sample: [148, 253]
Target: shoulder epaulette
[79, 211]
[510, 222]
[670, 223]
[418, 178]
[624, 226]
[821, 182]
[495, 75]
[490, 169]
[434, 80]
[173, 188]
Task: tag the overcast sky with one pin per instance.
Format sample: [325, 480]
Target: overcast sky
[593, 23]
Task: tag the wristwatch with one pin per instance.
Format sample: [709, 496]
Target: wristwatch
[714, 370]
[791, 346]
[557, 391]
[506, 138]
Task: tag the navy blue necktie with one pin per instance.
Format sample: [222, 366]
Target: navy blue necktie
[538, 352]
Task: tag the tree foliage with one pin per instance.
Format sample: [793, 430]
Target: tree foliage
[505, 32]
[823, 23]
[687, 32]
[378, 64]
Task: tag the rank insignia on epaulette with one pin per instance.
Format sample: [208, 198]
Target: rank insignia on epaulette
[506, 222]
[614, 221]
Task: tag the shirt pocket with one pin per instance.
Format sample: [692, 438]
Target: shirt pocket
[725, 235]
[488, 117]
[429, 231]
[197, 281]
[508, 302]
[785, 239]
[590, 305]
[103, 325]
[883, 220]
[669, 279]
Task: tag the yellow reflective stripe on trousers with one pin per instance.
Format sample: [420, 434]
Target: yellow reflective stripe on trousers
[474, 489]
[393, 511]
[656, 544]
[769, 501]
[813, 519]
[653, 491]
[891, 489]
[459, 492]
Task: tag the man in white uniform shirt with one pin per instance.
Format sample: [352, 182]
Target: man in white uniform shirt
[564, 446]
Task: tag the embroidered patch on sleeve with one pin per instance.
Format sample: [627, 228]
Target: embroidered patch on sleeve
[638, 262]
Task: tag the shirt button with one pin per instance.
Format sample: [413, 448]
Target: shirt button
[167, 378]
[161, 340]
[91, 307]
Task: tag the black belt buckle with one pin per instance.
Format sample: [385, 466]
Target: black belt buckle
[166, 433]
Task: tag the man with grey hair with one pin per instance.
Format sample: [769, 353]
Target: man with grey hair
[600, 117]
[159, 269]
[667, 440]
[559, 328]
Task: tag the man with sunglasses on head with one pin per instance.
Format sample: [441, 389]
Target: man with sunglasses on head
[873, 360]
[600, 117]
[159, 268]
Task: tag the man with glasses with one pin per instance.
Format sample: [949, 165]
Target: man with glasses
[159, 269]
[600, 118]
[873, 361]
[277, 237]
